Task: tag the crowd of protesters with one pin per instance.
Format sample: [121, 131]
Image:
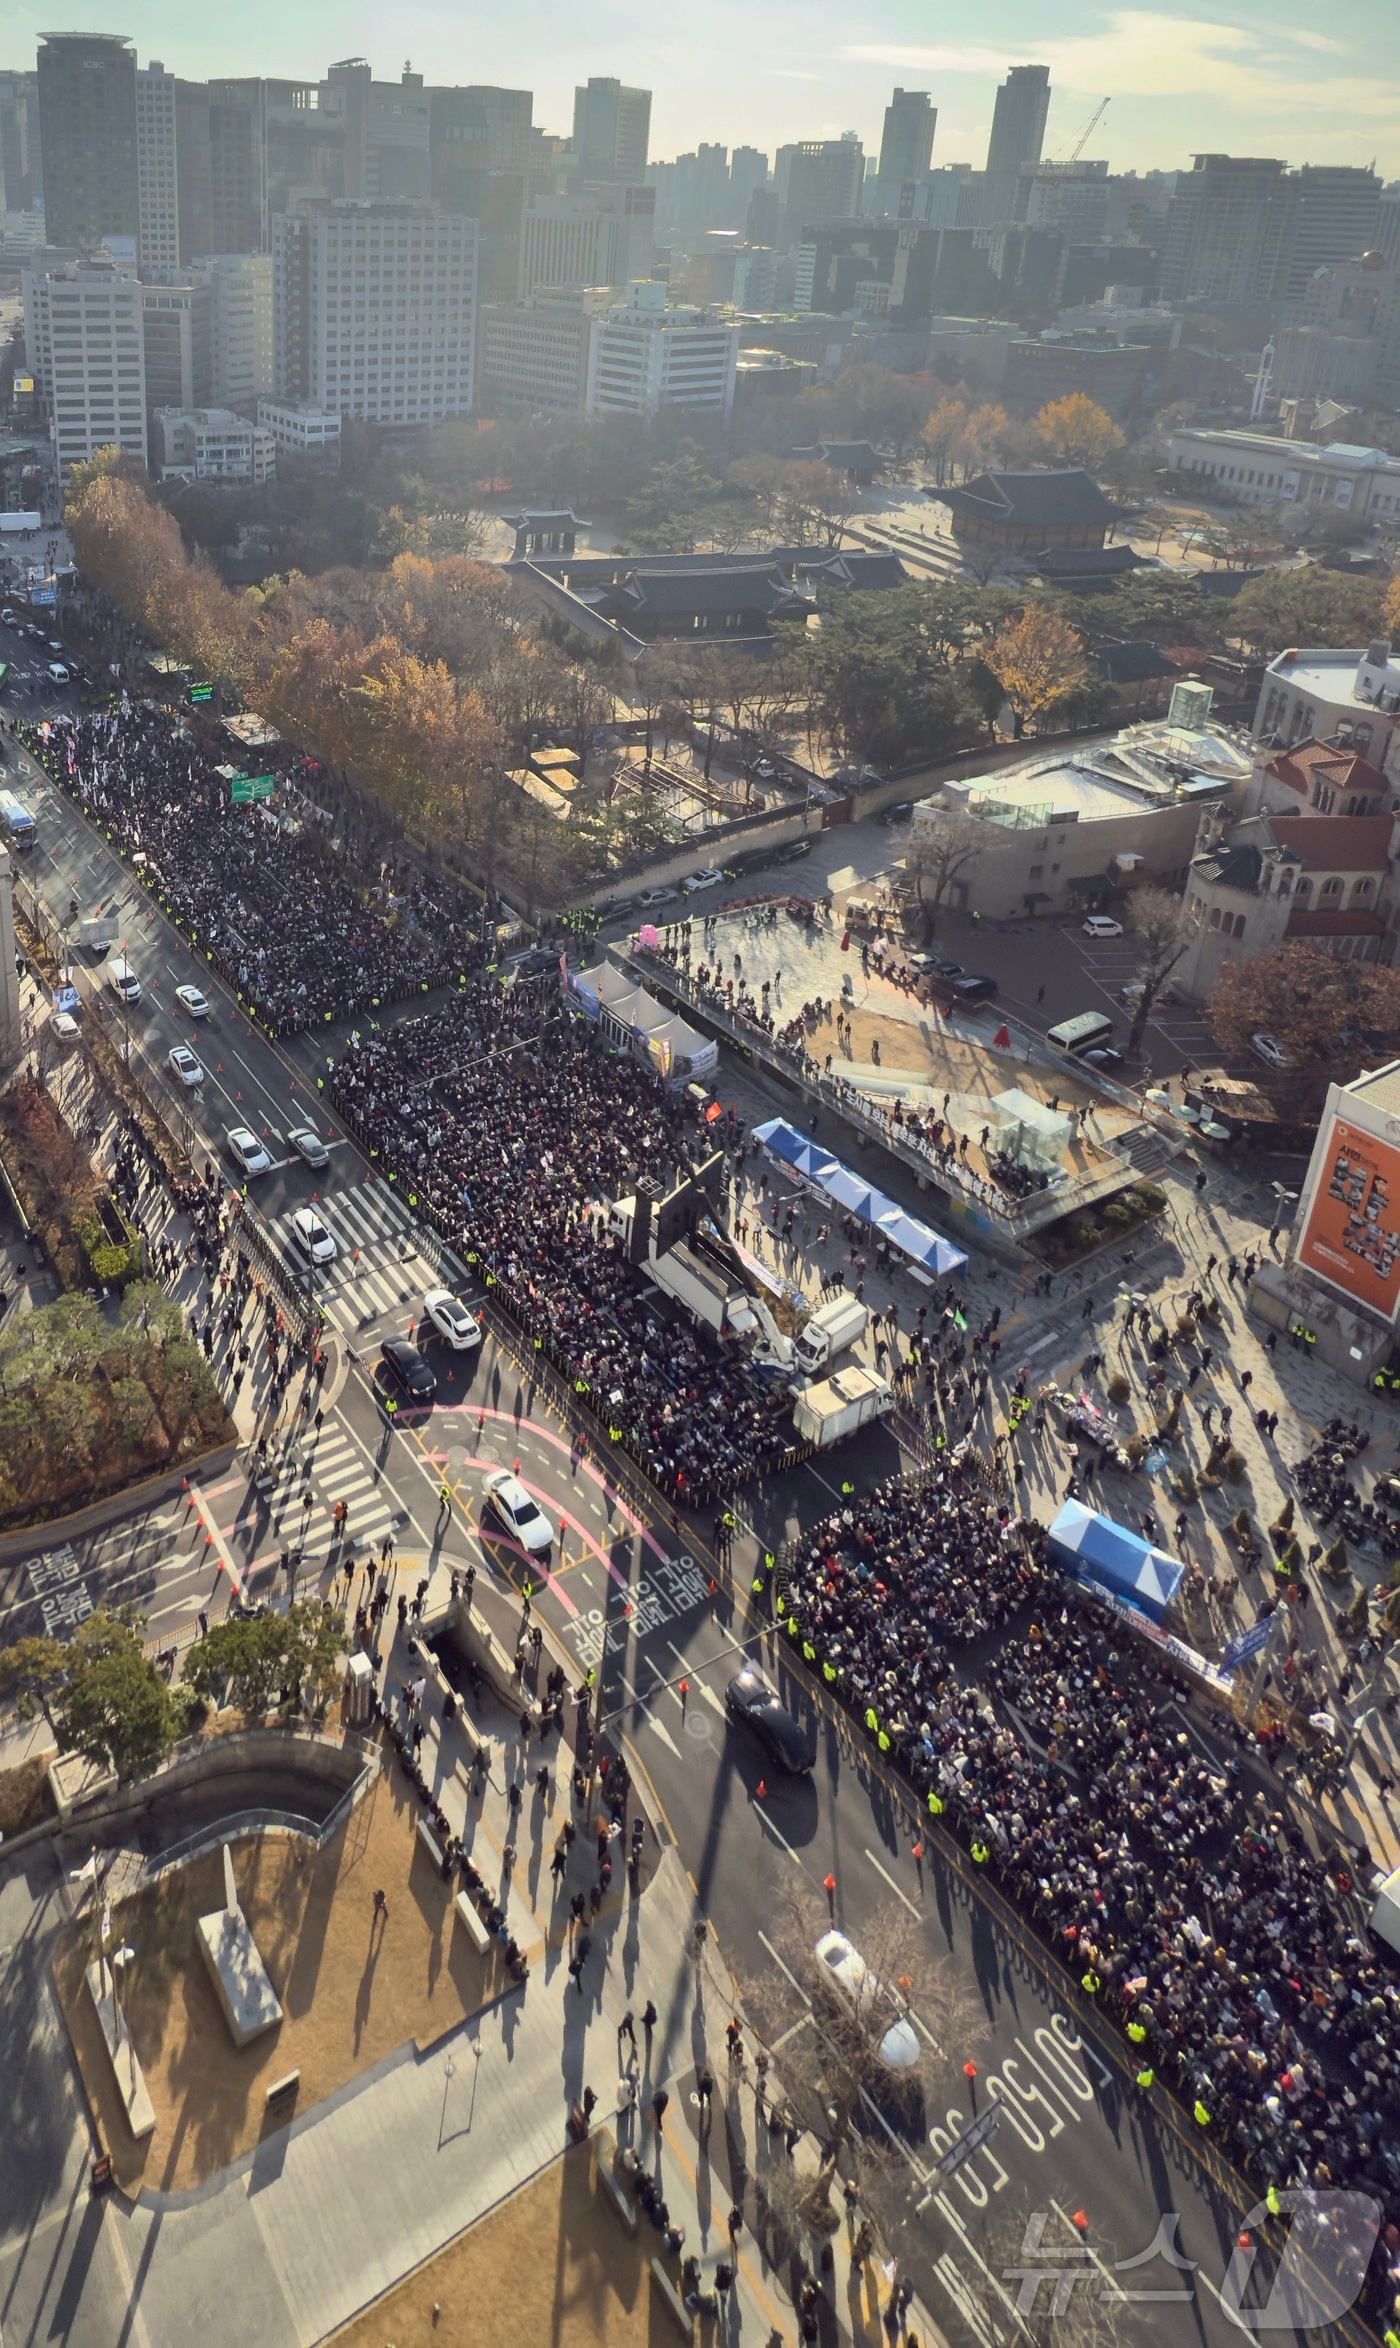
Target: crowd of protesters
[517, 1151]
[299, 934]
[1234, 1957]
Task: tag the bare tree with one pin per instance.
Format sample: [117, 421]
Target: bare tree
[1160, 929]
[939, 853]
[835, 2063]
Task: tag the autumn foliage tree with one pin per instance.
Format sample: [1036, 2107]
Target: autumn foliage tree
[1038, 660]
[1077, 430]
[1331, 1017]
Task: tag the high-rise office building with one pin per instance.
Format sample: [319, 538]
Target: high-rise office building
[241, 350]
[906, 147]
[387, 147]
[748, 169]
[83, 344]
[157, 184]
[87, 113]
[177, 338]
[374, 309]
[646, 356]
[817, 179]
[1018, 135]
[1244, 232]
[21, 169]
[1219, 244]
[612, 128]
[474, 128]
[605, 237]
[534, 355]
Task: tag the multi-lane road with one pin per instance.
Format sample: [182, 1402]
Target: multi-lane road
[643, 1603]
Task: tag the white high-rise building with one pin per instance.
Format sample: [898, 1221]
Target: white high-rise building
[157, 182]
[83, 342]
[242, 365]
[374, 309]
[646, 356]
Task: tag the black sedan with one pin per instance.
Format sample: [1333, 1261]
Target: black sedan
[749, 1698]
[407, 1368]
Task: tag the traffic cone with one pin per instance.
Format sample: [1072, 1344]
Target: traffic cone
[761, 1789]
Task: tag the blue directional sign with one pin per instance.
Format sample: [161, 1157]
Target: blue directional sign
[1248, 1644]
[66, 998]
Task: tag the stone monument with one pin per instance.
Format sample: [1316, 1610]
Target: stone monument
[239, 1975]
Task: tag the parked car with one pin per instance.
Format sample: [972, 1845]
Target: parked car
[63, 1025]
[749, 1698]
[184, 1067]
[844, 1973]
[407, 1368]
[308, 1145]
[972, 989]
[244, 1145]
[1103, 1057]
[793, 852]
[509, 1501]
[947, 968]
[1268, 1049]
[312, 1237]
[1133, 994]
[650, 897]
[193, 1001]
[1102, 925]
[449, 1316]
[709, 878]
[764, 771]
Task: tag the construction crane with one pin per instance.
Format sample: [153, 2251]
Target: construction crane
[1088, 131]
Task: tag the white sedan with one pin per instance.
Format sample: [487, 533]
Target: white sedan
[184, 1066]
[511, 1503]
[308, 1144]
[245, 1146]
[650, 897]
[312, 1237]
[710, 878]
[64, 1026]
[194, 1002]
[1268, 1049]
[449, 1316]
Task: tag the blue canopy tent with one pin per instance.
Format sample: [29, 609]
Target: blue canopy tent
[844, 1188]
[1095, 1549]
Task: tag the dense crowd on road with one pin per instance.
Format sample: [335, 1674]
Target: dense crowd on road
[301, 936]
[516, 1152]
[1233, 1955]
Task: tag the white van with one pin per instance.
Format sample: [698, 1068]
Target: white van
[1089, 1032]
[59, 673]
[122, 980]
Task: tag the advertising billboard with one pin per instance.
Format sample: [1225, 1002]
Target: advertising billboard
[1352, 1237]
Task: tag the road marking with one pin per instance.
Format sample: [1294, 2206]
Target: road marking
[1227, 2311]
[217, 1541]
[663, 1732]
[689, 1668]
[782, 1968]
[911, 1905]
[769, 1828]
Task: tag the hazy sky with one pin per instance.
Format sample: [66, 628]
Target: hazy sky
[1247, 80]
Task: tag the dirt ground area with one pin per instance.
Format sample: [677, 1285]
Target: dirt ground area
[352, 1990]
[551, 2268]
[25, 1799]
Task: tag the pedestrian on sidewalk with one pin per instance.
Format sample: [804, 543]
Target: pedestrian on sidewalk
[649, 2019]
[627, 2029]
[658, 2107]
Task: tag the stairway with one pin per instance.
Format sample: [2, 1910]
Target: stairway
[1148, 1149]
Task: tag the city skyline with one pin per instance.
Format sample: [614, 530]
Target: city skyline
[1177, 85]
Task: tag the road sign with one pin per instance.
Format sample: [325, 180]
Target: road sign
[971, 2140]
[201, 692]
[66, 998]
[250, 787]
[1248, 1644]
[47, 595]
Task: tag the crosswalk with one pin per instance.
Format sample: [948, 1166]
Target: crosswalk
[378, 1269]
[323, 1468]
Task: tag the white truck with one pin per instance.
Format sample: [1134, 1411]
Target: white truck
[841, 1404]
[833, 1328]
[696, 1277]
[98, 931]
[122, 980]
